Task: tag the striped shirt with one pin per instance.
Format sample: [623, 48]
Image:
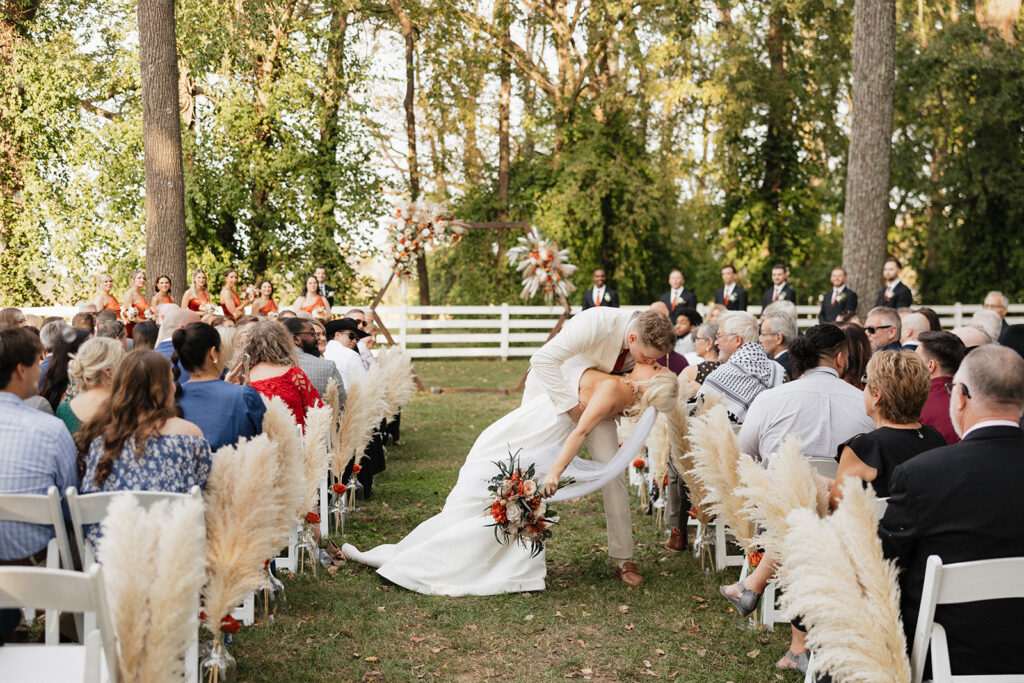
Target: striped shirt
[36, 452]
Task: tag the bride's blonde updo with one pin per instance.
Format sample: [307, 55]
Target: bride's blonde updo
[660, 391]
[96, 355]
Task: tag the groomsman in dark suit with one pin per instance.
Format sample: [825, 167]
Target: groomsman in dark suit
[677, 297]
[895, 294]
[322, 288]
[780, 289]
[730, 294]
[839, 299]
[600, 294]
[962, 503]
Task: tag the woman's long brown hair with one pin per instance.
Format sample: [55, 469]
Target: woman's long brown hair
[138, 408]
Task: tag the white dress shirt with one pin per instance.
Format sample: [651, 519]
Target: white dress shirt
[819, 408]
[598, 296]
[350, 365]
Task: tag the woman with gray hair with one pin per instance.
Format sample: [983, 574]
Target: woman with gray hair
[274, 369]
[707, 351]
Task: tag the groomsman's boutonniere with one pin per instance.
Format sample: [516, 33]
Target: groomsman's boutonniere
[732, 297]
[782, 295]
[888, 295]
[841, 298]
[607, 298]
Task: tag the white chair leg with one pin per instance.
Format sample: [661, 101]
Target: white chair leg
[246, 612]
[287, 558]
[323, 509]
[768, 611]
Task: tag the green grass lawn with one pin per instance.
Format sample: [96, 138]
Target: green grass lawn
[355, 626]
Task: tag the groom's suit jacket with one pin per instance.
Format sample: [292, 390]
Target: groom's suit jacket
[594, 337]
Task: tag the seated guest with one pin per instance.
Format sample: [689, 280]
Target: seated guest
[942, 353]
[715, 311]
[823, 411]
[48, 335]
[321, 337]
[57, 385]
[36, 451]
[962, 503]
[973, 337]
[225, 412]
[989, 322]
[86, 307]
[139, 443]
[883, 328]
[176, 319]
[319, 370]
[746, 370]
[707, 353]
[860, 353]
[342, 337]
[999, 304]
[113, 329]
[364, 345]
[934, 324]
[686, 323]
[777, 332]
[911, 327]
[275, 370]
[144, 336]
[12, 317]
[92, 370]
[896, 391]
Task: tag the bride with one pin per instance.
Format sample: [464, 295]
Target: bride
[455, 552]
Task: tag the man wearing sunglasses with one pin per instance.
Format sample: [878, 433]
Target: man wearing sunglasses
[342, 337]
[319, 370]
[883, 329]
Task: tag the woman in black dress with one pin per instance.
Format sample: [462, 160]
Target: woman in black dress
[895, 390]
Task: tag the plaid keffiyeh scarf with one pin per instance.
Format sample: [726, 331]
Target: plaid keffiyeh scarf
[747, 373]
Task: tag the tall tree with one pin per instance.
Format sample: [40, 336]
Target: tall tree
[161, 140]
[868, 170]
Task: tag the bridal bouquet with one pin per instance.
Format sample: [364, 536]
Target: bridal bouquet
[518, 509]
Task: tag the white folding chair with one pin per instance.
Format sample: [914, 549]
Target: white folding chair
[826, 468]
[955, 583]
[34, 508]
[91, 508]
[59, 590]
[723, 558]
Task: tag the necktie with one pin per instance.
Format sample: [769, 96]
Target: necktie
[597, 297]
[775, 297]
[835, 295]
[620, 361]
[675, 296]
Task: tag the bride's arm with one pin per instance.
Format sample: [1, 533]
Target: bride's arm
[603, 404]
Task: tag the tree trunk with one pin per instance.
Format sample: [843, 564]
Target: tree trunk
[161, 144]
[868, 174]
[504, 100]
[324, 249]
[410, 131]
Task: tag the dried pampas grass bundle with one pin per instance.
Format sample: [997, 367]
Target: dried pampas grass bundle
[658, 447]
[363, 412]
[770, 494]
[286, 436]
[316, 455]
[244, 513]
[154, 601]
[128, 534]
[397, 379]
[845, 591]
[716, 455]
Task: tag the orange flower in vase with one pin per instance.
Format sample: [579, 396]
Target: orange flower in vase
[312, 518]
[339, 489]
[639, 463]
[230, 625]
[356, 468]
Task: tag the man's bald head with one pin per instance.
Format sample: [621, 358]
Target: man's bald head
[175, 319]
[972, 336]
[994, 375]
[913, 325]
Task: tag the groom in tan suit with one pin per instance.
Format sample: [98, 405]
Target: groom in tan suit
[610, 340]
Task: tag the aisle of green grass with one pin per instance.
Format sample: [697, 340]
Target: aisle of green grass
[355, 626]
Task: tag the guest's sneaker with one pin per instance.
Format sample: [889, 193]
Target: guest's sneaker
[676, 541]
[629, 574]
[746, 603]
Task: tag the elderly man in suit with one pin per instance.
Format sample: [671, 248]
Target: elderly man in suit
[677, 297]
[600, 294]
[895, 294]
[730, 294]
[609, 340]
[780, 289]
[962, 503]
[840, 299]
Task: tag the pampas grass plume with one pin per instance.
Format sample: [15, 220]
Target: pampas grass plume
[397, 379]
[315, 453]
[716, 456]
[279, 426]
[180, 568]
[129, 536]
[363, 412]
[244, 512]
[846, 593]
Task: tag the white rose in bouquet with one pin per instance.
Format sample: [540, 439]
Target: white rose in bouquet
[529, 488]
[513, 513]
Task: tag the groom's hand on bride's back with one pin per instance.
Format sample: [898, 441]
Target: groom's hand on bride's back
[576, 412]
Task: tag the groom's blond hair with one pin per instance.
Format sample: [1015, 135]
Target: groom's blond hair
[654, 329]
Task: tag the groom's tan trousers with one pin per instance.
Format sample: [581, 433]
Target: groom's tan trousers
[602, 443]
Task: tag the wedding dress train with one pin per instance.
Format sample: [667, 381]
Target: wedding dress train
[455, 552]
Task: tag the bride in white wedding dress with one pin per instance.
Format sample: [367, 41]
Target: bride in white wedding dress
[455, 552]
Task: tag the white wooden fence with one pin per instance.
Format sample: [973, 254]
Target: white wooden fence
[508, 331]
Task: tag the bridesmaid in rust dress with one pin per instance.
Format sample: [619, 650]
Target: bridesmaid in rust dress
[104, 294]
[313, 303]
[196, 296]
[264, 304]
[163, 293]
[230, 302]
[275, 370]
[135, 299]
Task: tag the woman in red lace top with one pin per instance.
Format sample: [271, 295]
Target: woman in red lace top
[273, 357]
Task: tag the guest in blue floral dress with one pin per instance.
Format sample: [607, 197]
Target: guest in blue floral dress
[139, 443]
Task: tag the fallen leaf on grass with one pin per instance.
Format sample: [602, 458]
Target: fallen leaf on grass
[332, 570]
[372, 659]
[698, 598]
[472, 627]
[380, 609]
[629, 627]
[357, 655]
[587, 672]
[701, 652]
[309, 640]
[417, 640]
[581, 643]
[659, 652]
[647, 663]
[624, 609]
[559, 614]
[753, 654]
[528, 617]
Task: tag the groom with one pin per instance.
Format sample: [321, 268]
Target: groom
[609, 340]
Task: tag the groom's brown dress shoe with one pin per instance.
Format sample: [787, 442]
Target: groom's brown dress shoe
[676, 541]
[629, 574]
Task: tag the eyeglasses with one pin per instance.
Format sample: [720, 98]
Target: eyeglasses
[963, 388]
[305, 332]
[321, 335]
[864, 380]
[874, 328]
[351, 335]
